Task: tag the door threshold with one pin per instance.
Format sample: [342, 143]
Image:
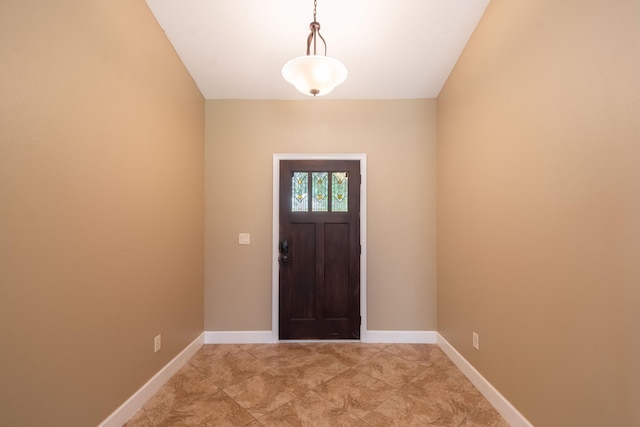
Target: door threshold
[317, 341]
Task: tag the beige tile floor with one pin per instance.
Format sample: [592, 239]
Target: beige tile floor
[318, 384]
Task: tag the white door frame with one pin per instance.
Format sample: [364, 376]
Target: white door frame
[275, 303]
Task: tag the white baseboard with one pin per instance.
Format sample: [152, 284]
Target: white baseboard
[502, 405]
[400, 337]
[140, 397]
[239, 337]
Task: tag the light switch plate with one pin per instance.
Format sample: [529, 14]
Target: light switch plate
[157, 343]
[244, 238]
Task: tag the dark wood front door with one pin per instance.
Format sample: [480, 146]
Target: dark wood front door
[319, 249]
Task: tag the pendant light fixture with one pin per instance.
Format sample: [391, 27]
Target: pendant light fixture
[314, 74]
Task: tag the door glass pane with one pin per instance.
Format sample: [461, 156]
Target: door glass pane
[300, 192]
[320, 185]
[340, 192]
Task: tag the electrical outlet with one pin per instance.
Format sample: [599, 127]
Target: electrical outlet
[157, 343]
[476, 341]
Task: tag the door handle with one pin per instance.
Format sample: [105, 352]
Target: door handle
[284, 252]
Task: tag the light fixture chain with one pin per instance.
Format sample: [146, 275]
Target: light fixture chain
[315, 5]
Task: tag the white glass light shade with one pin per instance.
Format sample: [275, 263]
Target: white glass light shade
[314, 74]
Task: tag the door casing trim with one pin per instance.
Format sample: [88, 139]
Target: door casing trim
[275, 269]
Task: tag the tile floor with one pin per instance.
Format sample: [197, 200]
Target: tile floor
[318, 384]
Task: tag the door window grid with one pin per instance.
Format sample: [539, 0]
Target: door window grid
[323, 198]
[340, 191]
[320, 192]
[299, 192]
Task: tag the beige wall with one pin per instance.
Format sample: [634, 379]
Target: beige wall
[399, 140]
[101, 208]
[539, 208]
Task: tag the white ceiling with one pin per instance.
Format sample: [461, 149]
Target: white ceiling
[393, 49]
